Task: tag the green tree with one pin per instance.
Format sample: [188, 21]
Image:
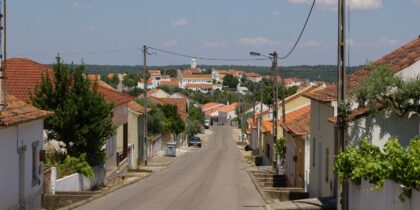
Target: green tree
[130, 80]
[193, 128]
[113, 81]
[230, 81]
[195, 114]
[82, 119]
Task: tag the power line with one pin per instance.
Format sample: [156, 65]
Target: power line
[206, 58]
[301, 32]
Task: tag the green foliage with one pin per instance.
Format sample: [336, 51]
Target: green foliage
[130, 80]
[402, 165]
[195, 114]
[82, 119]
[172, 122]
[193, 128]
[111, 81]
[154, 123]
[279, 147]
[384, 90]
[135, 92]
[230, 81]
[73, 165]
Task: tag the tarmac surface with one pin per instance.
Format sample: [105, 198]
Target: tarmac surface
[211, 177]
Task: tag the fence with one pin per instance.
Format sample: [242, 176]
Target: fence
[364, 197]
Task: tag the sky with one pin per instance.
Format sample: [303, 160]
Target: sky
[112, 32]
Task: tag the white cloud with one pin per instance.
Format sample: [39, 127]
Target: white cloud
[170, 43]
[256, 41]
[214, 44]
[275, 13]
[179, 23]
[311, 43]
[77, 5]
[354, 4]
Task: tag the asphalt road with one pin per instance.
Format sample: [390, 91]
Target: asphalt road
[211, 177]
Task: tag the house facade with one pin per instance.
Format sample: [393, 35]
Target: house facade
[227, 113]
[21, 143]
[378, 127]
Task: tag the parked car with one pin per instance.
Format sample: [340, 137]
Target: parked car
[206, 124]
[194, 141]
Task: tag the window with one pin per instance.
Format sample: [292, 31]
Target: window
[326, 164]
[313, 152]
[35, 179]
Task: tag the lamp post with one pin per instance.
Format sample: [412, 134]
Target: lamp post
[274, 59]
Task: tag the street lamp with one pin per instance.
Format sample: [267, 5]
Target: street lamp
[273, 57]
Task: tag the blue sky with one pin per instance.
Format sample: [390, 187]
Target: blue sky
[213, 28]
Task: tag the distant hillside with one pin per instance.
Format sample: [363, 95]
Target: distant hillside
[326, 73]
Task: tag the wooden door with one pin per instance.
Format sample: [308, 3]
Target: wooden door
[299, 167]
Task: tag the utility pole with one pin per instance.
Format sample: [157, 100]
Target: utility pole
[275, 95]
[283, 101]
[145, 104]
[341, 96]
[3, 92]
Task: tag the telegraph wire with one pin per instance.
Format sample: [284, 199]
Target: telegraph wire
[301, 33]
[205, 58]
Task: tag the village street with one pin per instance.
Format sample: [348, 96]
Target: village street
[211, 177]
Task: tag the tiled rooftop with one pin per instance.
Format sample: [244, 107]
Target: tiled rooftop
[23, 76]
[112, 95]
[18, 112]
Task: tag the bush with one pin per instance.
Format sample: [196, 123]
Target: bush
[73, 165]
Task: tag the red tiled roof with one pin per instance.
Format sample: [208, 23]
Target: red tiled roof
[169, 83]
[18, 112]
[23, 76]
[299, 126]
[268, 125]
[210, 111]
[209, 105]
[251, 122]
[229, 108]
[112, 95]
[197, 76]
[202, 85]
[252, 74]
[397, 60]
[134, 106]
[296, 113]
[93, 76]
[181, 104]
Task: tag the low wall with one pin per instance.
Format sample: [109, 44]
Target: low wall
[364, 197]
[73, 183]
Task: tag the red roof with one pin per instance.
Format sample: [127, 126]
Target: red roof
[203, 85]
[112, 95]
[252, 74]
[299, 126]
[397, 60]
[181, 104]
[18, 112]
[295, 114]
[23, 76]
[154, 72]
[209, 105]
[210, 111]
[169, 83]
[197, 76]
[268, 125]
[229, 108]
[134, 106]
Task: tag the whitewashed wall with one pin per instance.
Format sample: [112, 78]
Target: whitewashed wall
[133, 136]
[323, 133]
[362, 197]
[11, 139]
[379, 127]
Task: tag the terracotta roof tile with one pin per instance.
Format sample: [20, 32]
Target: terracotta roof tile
[181, 104]
[397, 60]
[203, 85]
[197, 76]
[23, 76]
[209, 105]
[112, 95]
[296, 113]
[229, 108]
[18, 112]
[169, 83]
[252, 74]
[300, 126]
[268, 125]
[134, 106]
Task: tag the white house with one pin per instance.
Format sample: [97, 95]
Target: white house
[377, 127]
[258, 108]
[227, 113]
[136, 142]
[202, 82]
[21, 143]
[254, 77]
